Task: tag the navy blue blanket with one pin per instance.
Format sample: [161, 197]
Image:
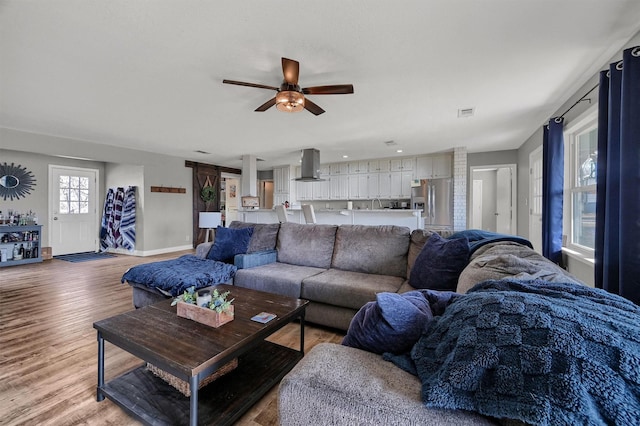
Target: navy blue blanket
[478, 238]
[544, 353]
[173, 277]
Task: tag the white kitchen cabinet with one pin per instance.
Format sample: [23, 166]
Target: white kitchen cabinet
[358, 167]
[337, 169]
[401, 184]
[433, 166]
[279, 199]
[442, 166]
[379, 185]
[379, 166]
[322, 189]
[424, 167]
[281, 179]
[402, 164]
[284, 188]
[373, 185]
[339, 187]
[384, 185]
[358, 187]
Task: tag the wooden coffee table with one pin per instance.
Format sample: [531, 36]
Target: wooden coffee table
[192, 351]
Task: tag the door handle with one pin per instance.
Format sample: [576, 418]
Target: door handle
[55, 218]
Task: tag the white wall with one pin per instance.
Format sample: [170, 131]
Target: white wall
[38, 199]
[164, 220]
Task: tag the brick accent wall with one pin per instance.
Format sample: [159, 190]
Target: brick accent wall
[460, 188]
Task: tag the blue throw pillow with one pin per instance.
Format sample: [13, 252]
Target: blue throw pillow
[439, 263]
[229, 242]
[393, 323]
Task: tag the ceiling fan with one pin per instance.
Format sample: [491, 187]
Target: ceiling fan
[290, 97]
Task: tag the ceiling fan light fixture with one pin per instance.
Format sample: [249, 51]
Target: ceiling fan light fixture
[289, 101]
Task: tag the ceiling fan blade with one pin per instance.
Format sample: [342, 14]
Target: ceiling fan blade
[338, 89]
[312, 108]
[241, 83]
[265, 106]
[290, 70]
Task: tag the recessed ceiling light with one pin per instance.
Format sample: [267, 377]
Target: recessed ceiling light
[345, 156]
[465, 112]
[398, 151]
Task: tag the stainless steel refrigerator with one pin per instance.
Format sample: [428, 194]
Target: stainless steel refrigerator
[435, 198]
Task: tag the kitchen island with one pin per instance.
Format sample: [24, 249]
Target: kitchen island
[401, 217]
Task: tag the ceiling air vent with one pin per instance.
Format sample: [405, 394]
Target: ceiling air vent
[201, 152]
[465, 112]
[390, 143]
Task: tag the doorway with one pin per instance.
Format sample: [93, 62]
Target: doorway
[229, 197]
[266, 194]
[493, 198]
[73, 218]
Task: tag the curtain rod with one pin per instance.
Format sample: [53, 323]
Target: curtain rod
[578, 101]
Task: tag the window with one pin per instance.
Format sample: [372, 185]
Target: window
[581, 141]
[74, 195]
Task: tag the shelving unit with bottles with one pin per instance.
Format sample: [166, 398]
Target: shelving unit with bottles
[29, 236]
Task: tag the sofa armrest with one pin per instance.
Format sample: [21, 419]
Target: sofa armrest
[251, 260]
[203, 249]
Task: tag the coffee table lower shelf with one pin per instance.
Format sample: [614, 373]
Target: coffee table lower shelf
[151, 400]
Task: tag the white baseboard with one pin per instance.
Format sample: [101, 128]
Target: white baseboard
[145, 253]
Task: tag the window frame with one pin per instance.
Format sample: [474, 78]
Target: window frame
[585, 122]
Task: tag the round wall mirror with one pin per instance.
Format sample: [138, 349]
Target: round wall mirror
[15, 181]
[9, 181]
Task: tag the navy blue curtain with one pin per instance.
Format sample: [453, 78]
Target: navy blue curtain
[617, 251]
[552, 189]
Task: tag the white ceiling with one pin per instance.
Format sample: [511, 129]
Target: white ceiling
[148, 74]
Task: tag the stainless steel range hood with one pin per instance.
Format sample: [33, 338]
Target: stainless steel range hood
[310, 167]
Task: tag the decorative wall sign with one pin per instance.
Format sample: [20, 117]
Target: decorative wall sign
[15, 181]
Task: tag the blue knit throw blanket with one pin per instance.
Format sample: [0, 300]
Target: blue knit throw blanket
[173, 277]
[544, 353]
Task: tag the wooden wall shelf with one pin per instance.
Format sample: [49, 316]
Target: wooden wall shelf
[168, 189]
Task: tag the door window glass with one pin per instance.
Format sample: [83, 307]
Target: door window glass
[74, 195]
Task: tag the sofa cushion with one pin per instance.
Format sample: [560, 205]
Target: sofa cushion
[392, 323]
[265, 235]
[279, 278]
[306, 245]
[380, 250]
[418, 238]
[347, 289]
[439, 264]
[507, 259]
[228, 243]
[339, 385]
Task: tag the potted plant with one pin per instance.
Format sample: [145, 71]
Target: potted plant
[215, 309]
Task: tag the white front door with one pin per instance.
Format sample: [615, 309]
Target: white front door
[535, 199]
[73, 219]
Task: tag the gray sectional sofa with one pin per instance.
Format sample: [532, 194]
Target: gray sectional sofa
[339, 269]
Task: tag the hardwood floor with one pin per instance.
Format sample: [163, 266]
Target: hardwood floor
[48, 347]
